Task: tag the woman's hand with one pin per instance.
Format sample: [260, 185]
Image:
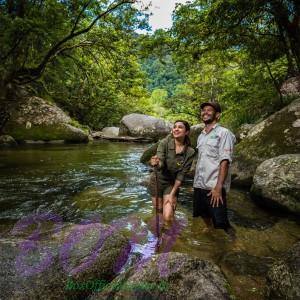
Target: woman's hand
[154, 161]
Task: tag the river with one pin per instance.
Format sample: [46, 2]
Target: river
[105, 182]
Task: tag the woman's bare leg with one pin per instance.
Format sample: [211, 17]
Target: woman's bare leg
[168, 209]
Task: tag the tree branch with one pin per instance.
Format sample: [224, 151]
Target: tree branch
[79, 15]
[27, 75]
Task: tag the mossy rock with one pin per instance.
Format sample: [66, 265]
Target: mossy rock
[59, 260]
[277, 182]
[284, 276]
[35, 119]
[169, 276]
[278, 134]
[7, 141]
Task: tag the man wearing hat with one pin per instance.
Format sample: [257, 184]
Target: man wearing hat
[212, 175]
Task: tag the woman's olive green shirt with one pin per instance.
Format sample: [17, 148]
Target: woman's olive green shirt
[173, 166]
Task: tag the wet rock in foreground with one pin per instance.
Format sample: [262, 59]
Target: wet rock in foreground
[241, 263]
[284, 276]
[169, 276]
[43, 269]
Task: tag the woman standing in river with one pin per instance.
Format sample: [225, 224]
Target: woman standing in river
[172, 161]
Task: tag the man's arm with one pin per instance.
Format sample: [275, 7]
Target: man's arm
[225, 157]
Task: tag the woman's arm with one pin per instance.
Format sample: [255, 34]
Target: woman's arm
[175, 188]
[159, 158]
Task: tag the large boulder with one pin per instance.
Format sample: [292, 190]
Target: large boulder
[278, 134]
[243, 131]
[283, 280]
[277, 182]
[144, 126]
[111, 131]
[35, 119]
[291, 87]
[169, 276]
[51, 267]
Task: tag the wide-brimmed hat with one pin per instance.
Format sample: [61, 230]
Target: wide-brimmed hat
[213, 104]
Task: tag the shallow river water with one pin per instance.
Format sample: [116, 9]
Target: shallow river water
[105, 182]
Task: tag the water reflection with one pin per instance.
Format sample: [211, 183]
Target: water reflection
[105, 182]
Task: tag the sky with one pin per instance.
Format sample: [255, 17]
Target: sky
[162, 12]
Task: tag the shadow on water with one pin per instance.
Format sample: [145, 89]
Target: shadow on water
[105, 182]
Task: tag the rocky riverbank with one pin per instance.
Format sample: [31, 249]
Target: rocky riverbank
[36, 120]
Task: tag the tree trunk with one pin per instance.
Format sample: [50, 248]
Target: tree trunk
[10, 97]
[289, 27]
[287, 49]
[275, 82]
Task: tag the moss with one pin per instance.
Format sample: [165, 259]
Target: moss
[230, 291]
[272, 140]
[76, 124]
[45, 133]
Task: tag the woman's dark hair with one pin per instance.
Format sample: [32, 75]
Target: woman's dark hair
[187, 126]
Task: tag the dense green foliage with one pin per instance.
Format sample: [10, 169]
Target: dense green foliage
[100, 86]
[79, 54]
[161, 73]
[238, 52]
[87, 58]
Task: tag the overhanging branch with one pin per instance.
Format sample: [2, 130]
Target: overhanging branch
[27, 75]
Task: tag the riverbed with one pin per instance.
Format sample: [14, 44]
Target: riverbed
[105, 182]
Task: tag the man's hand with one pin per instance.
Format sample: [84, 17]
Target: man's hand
[154, 161]
[216, 196]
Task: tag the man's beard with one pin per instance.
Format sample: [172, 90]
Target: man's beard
[208, 121]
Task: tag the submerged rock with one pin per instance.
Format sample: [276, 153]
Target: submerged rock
[277, 182]
[34, 119]
[139, 125]
[169, 276]
[278, 134]
[53, 266]
[284, 276]
[7, 141]
[241, 263]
